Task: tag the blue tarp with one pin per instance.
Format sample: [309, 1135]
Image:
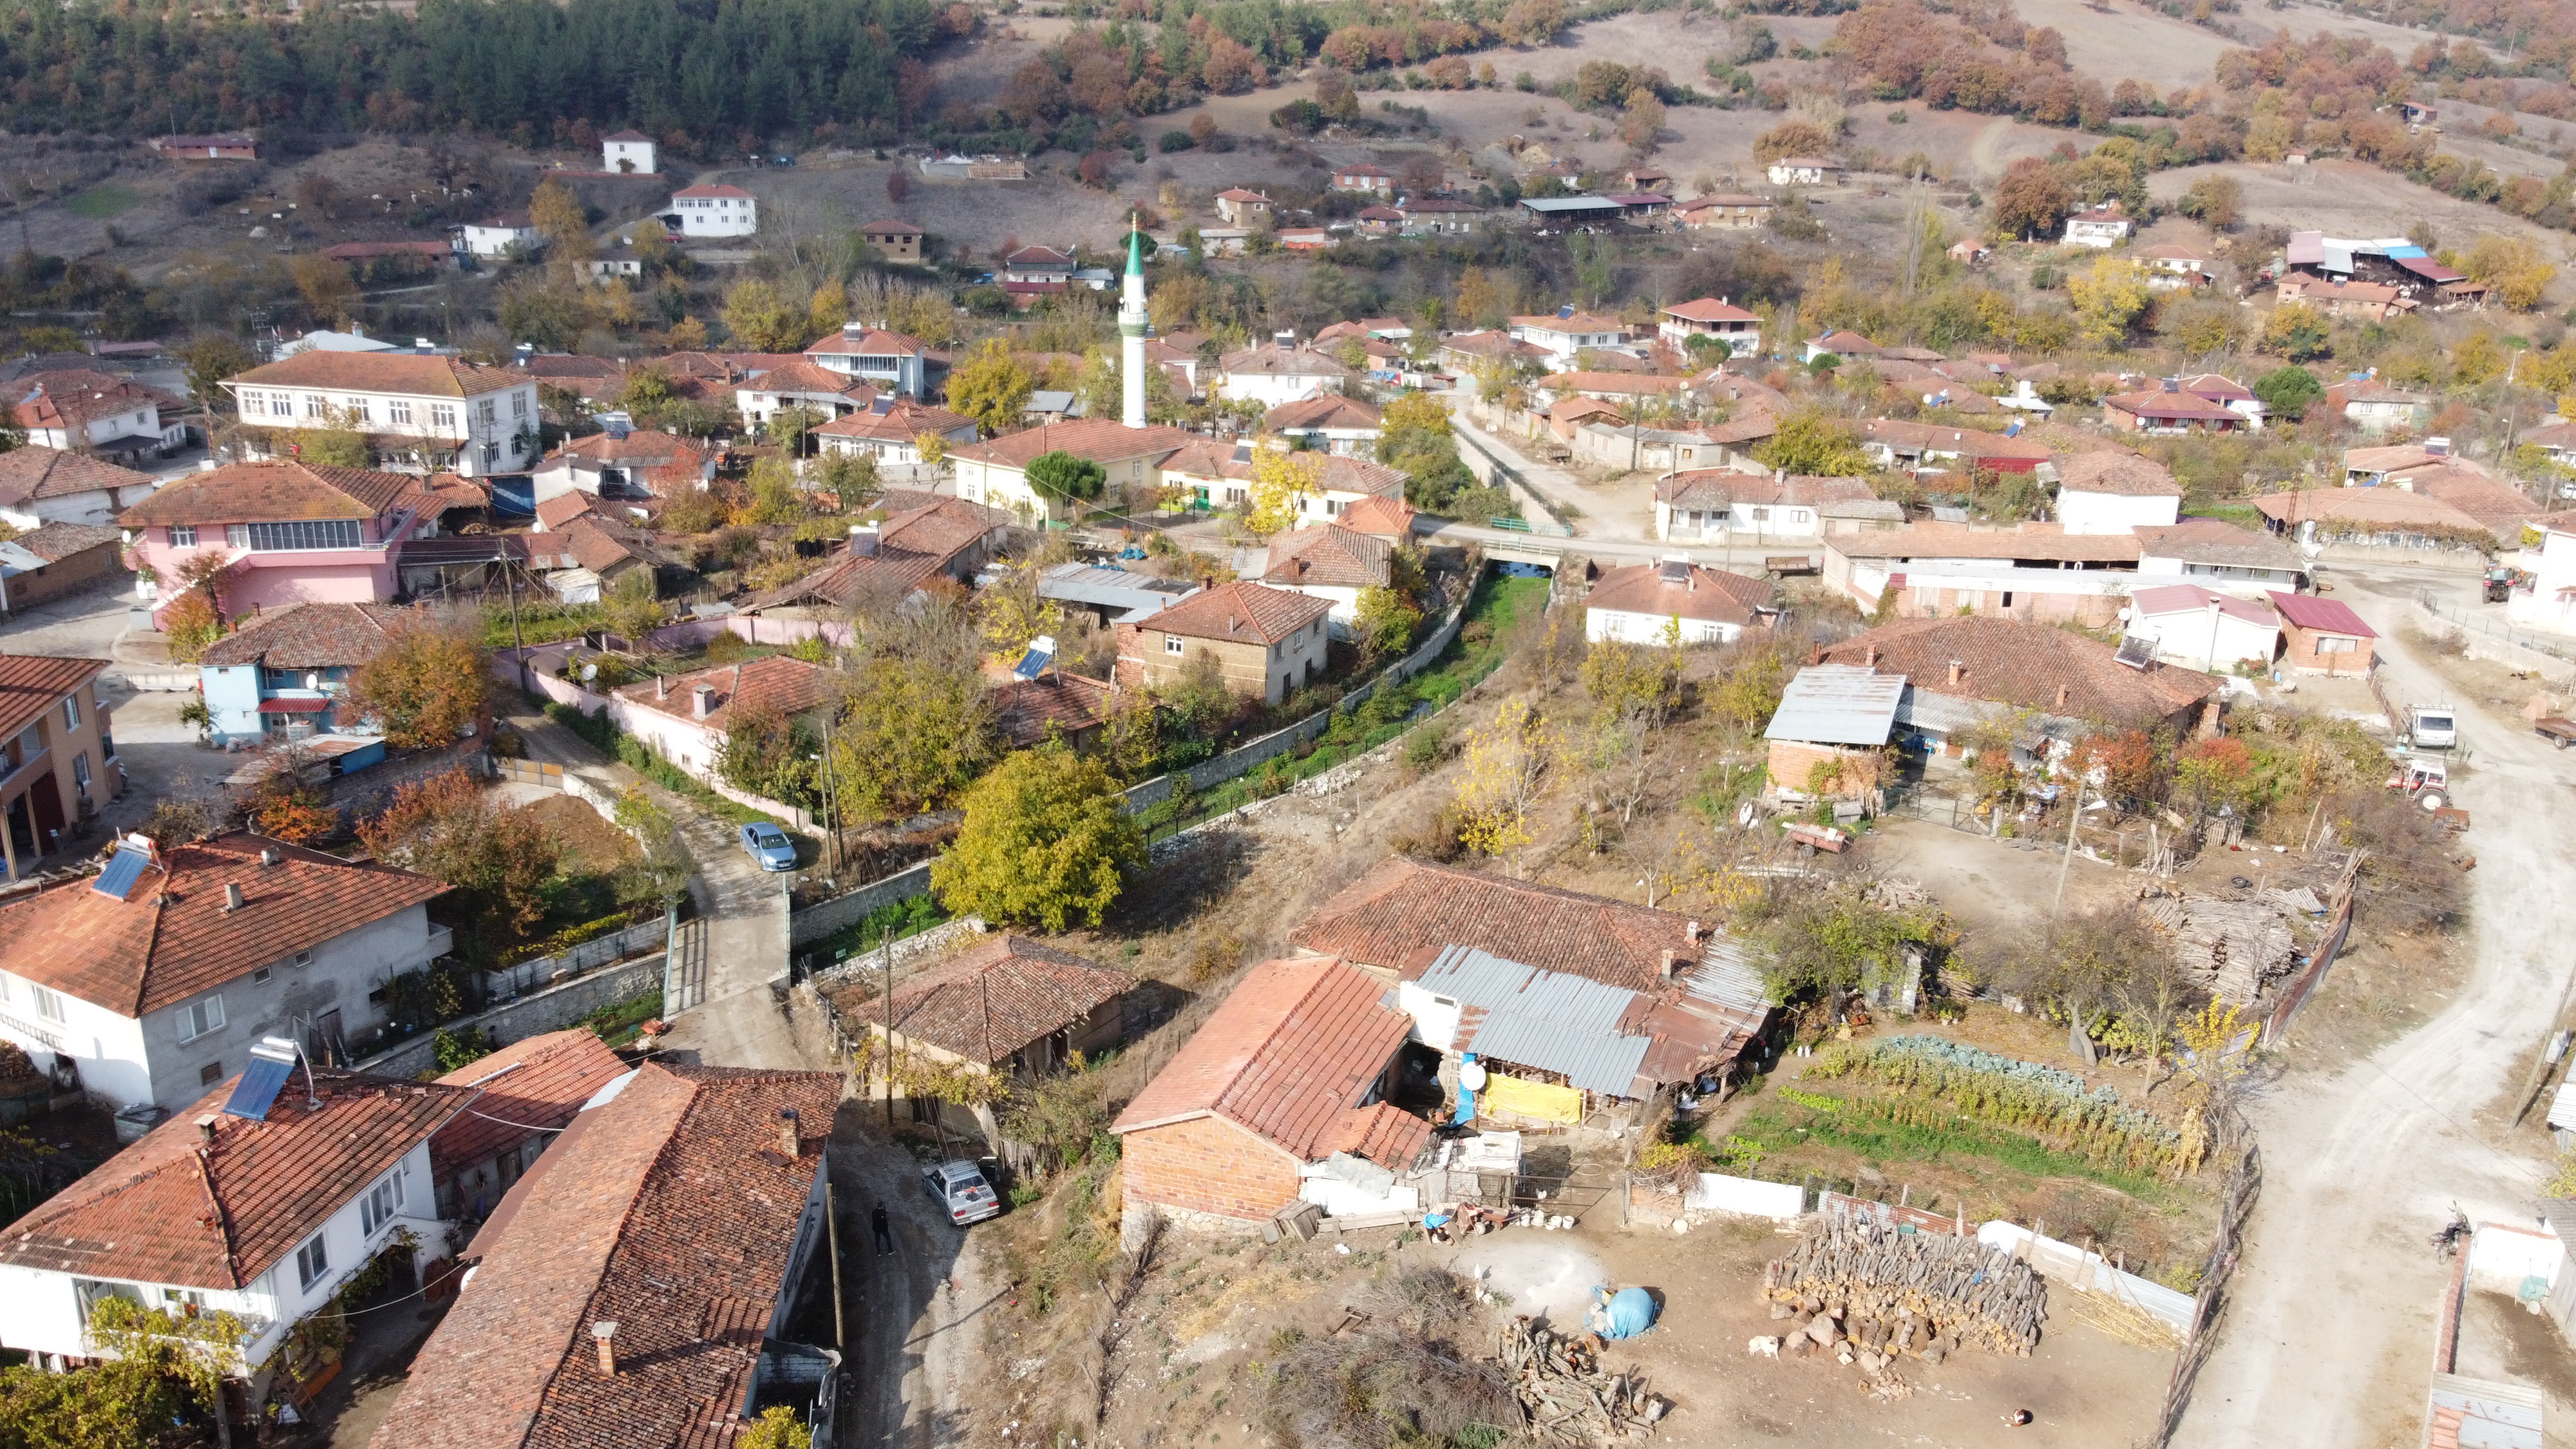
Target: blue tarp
[1631, 1312]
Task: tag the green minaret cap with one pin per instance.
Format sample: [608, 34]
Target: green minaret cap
[1135, 249]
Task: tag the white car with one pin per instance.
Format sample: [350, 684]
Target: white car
[959, 1186]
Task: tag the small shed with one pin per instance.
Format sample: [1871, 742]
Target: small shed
[1836, 715]
[2323, 636]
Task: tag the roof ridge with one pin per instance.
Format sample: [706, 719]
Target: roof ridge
[223, 1224]
[151, 940]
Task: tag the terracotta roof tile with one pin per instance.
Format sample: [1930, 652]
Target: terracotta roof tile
[31, 471]
[1102, 440]
[2007, 661]
[2209, 541]
[175, 1209]
[997, 997]
[54, 542]
[903, 422]
[408, 373]
[171, 936]
[1269, 359]
[912, 545]
[1024, 709]
[271, 492]
[792, 684]
[1362, 478]
[2047, 541]
[802, 377]
[668, 1211]
[313, 635]
[1402, 908]
[1390, 518]
[1332, 410]
[1328, 557]
[1287, 1056]
[528, 1086]
[563, 508]
[1966, 442]
[1713, 595]
[2127, 474]
[76, 397]
[31, 684]
[1240, 612]
[639, 447]
[1706, 487]
[872, 342]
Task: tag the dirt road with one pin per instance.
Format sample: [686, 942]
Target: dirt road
[2330, 1338]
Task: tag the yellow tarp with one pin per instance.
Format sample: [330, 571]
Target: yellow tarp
[1531, 1099]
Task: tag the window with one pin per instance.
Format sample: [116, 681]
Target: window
[304, 533]
[518, 405]
[398, 410]
[2335, 644]
[236, 535]
[300, 958]
[281, 405]
[1172, 644]
[314, 405]
[381, 1202]
[311, 1262]
[360, 411]
[442, 415]
[183, 535]
[71, 711]
[49, 1002]
[200, 1017]
[491, 453]
[261, 976]
[80, 771]
[211, 1073]
[483, 411]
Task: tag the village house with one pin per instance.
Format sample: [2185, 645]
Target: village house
[41, 485]
[2550, 602]
[1379, 221]
[1056, 707]
[2228, 393]
[897, 241]
[1927, 447]
[1838, 344]
[2556, 438]
[206, 148]
[2101, 226]
[2113, 491]
[90, 412]
[596, 381]
[759, 398]
[1388, 518]
[1440, 216]
[57, 560]
[293, 532]
[920, 538]
[622, 462]
[1722, 505]
[1962, 673]
[2373, 522]
[891, 360]
[1301, 1064]
[1674, 602]
[2169, 411]
[1008, 1007]
[891, 430]
[715, 211]
[995, 472]
[1330, 563]
[2376, 408]
[628, 153]
[530, 1090]
[262, 1200]
[2202, 629]
[285, 671]
[2026, 571]
[1740, 330]
[1805, 171]
[384, 261]
[1363, 177]
[154, 977]
[420, 413]
[683, 717]
[2323, 636]
[58, 766]
[501, 236]
[2220, 555]
[1564, 336]
[1266, 642]
[1828, 738]
[1345, 483]
[1238, 207]
[1476, 352]
[1724, 211]
[2356, 301]
[649, 1280]
[1329, 423]
[2394, 265]
[1273, 374]
[2174, 268]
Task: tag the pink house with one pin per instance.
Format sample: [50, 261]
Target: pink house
[293, 532]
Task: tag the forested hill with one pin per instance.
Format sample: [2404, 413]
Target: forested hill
[711, 70]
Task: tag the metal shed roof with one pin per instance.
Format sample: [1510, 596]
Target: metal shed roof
[1837, 704]
[1545, 1019]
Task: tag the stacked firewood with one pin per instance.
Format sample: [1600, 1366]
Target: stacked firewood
[1922, 1294]
[1564, 1392]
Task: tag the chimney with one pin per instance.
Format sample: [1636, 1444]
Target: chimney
[1672, 962]
[604, 1333]
[2061, 696]
[1958, 672]
[206, 1129]
[661, 686]
[233, 899]
[269, 856]
[1690, 933]
[791, 1130]
[1872, 657]
[703, 700]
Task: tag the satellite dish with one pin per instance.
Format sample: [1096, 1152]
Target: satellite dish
[1471, 1076]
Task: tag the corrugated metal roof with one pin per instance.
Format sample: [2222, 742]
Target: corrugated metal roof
[1544, 1019]
[1726, 978]
[1837, 704]
[2562, 1108]
[2484, 1413]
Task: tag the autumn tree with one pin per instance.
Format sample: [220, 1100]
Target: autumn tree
[1282, 481]
[915, 724]
[1813, 443]
[1386, 622]
[1063, 477]
[2109, 300]
[427, 686]
[1533, 22]
[1479, 303]
[764, 751]
[2286, 392]
[209, 358]
[2513, 266]
[1047, 841]
[328, 290]
[1790, 138]
[558, 216]
[1510, 766]
[1643, 121]
[496, 856]
[991, 385]
[2297, 331]
[2216, 201]
[2031, 201]
[760, 319]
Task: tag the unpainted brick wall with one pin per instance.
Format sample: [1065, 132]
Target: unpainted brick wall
[1211, 1166]
[1792, 759]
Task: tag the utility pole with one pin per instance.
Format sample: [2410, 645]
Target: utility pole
[886, 1065]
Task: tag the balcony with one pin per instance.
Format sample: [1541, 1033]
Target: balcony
[38, 763]
[442, 941]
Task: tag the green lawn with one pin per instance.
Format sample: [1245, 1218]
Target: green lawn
[103, 201]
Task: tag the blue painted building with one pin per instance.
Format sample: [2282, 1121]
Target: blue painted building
[284, 674]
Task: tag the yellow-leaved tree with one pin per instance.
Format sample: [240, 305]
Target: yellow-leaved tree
[1510, 764]
[2109, 300]
[1281, 483]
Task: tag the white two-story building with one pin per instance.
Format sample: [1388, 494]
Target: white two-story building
[261, 1200]
[891, 360]
[715, 211]
[91, 412]
[421, 414]
[628, 153]
[1566, 334]
[154, 978]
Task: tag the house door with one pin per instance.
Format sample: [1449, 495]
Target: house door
[326, 1042]
[47, 797]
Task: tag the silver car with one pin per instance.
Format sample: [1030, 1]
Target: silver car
[959, 1186]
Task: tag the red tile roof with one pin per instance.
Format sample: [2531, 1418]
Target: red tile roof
[1240, 613]
[1328, 557]
[903, 422]
[2209, 541]
[670, 1212]
[1403, 909]
[313, 635]
[1390, 518]
[1713, 595]
[407, 373]
[1965, 442]
[911, 546]
[31, 470]
[1102, 440]
[2183, 405]
[1025, 710]
[528, 1087]
[1362, 478]
[1269, 359]
[273, 492]
[1287, 1056]
[2331, 616]
[1709, 309]
[177, 1209]
[871, 342]
[2128, 474]
[2027, 666]
[804, 378]
[563, 508]
[31, 684]
[997, 997]
[638, 448]
[54, 542]
[1565, 382]
[75, 398]
[793, 685]
[171, 937]
[693, 191]
[1332, 410]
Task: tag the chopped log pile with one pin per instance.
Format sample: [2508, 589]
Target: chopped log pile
[1888, 1293]
[2233, 949]
[1565, 1394]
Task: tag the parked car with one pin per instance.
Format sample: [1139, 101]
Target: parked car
[2436, 728]
[2559, 732]
[768, 845]
[959, 1186]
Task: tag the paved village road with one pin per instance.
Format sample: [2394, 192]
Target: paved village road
[2329, 1341]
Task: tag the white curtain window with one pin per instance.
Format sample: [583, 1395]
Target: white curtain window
[382, 1202]
[198, 1018]
[311, 1262]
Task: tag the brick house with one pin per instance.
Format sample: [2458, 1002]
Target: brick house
[2323, 636]
[1837, 716]
[1678, 599]
[56, 560]
[646, 1282]
[1265, 641]
[529, 1090]
[1294, 1066]
[899, 241]
[1961, 672]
